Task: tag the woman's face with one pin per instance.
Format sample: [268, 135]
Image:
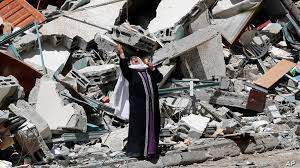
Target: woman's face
[135, 60]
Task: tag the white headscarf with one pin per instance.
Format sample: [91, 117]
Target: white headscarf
[140, 66]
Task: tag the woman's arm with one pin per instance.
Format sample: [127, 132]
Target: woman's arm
[126, 71]
[156, 75]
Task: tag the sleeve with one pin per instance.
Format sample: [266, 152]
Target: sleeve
[156, 75]
[126, 71]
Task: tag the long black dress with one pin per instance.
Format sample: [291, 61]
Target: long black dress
[144, 118]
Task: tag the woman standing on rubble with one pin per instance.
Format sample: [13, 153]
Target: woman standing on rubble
[144, 119]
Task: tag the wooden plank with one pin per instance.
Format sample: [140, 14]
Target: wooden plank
[20, 13]
[25, 22]
[20, 19]
[8, 8]
[4, 3]
[16, 16]
[275, 73]
[37, 15]
[6, 15]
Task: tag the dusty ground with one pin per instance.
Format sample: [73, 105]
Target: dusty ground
[273, 159]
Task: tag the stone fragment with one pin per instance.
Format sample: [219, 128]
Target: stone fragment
[24, 109]
[196, 123]
[33, 144]
[229, 126]
[10, 90]
[71, 116]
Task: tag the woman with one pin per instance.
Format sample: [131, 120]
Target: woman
[144, 117]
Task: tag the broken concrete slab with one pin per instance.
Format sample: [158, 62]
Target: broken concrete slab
[24, 109]
[259, 144]
[166, 71]
[231, 28]
[206, 40]
[33, 144]
[96, 20]
[206, 60]
[174, 105]
[134, 36]
[236, 9]
[176, 48]
[257, 125]
[71, 116]
[208, 108]
[54, 56]
[101, 74]
[169, 13]
[274, 113]
[197, 124]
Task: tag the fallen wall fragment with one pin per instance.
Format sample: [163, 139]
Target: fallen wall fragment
[212, 62]
[24, 109]
[232, 27]
[71, 115]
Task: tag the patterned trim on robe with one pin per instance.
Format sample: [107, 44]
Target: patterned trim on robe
[148, 90]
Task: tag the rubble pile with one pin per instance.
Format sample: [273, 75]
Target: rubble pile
[230, 85]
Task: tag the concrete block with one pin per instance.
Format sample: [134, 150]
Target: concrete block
[10, 90]
[197, 124]
[229, 126]
[134, 36]
[208, 62]
[104, 43]
[101, 74]
[24, 109]
[33, 144]
[274, 113]
[256, 125]
[170, 34]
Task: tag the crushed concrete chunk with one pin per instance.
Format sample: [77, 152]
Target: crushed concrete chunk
[59, 115]
[10, 90]
[24, 109]
[196, 123]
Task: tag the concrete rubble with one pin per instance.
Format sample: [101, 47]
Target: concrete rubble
[230, 87]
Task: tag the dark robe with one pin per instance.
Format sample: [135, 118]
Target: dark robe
[144, 118]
